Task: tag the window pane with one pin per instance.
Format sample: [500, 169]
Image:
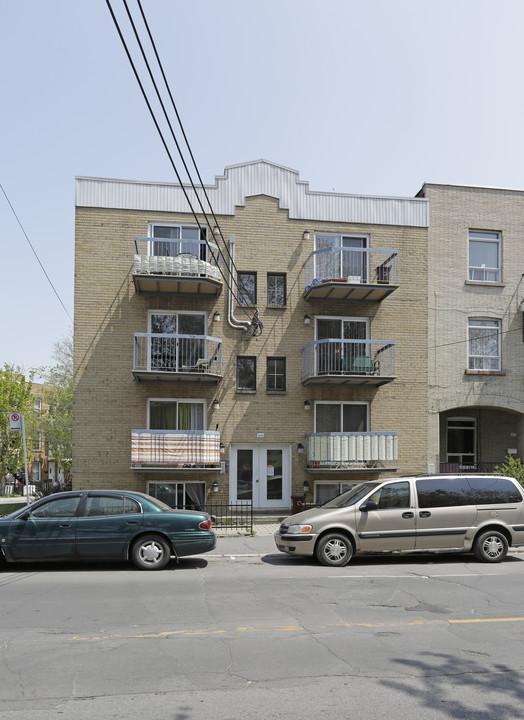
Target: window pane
[191, 324]
[244, 474]
[494, 490]
[483, 253]
[247, 288]
[246, 373]
[276, 373]
[484, 337]
[327, 417]
[394, 495]
[354, 418]
[276, 289]
[162, 415]
[448, 492]
[274, 475]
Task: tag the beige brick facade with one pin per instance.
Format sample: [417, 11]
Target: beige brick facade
[491, 401]
[109, 402]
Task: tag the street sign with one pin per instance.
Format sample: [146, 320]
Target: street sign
[15, 421]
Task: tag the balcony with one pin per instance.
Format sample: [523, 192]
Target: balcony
[175, 266]
[348, 362]
[373, 451]
[175, 450]
[357, 274]
[177, 358]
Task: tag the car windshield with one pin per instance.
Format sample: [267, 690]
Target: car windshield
[351, 496]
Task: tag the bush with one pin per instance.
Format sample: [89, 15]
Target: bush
[511, 467]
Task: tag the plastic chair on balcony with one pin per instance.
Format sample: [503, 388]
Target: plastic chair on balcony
[201, 365]
[365, 365]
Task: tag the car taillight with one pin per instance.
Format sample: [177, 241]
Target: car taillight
[205, 524]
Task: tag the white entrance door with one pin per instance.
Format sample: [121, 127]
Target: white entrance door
[261, 474]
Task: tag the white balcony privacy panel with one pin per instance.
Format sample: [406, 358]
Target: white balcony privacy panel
[334, 448]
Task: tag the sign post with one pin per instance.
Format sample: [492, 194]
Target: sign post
[16, 423]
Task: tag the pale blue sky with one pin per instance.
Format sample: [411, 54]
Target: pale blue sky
[371, 97]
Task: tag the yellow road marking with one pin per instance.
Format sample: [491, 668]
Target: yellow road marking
[295, 628]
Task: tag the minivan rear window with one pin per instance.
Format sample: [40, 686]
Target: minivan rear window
[456, 491]
[494, 491]
[443, 492]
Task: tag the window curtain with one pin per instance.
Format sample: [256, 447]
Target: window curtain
[163, 416]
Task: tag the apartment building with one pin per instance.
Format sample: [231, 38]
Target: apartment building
[278, 351]
[476, 294]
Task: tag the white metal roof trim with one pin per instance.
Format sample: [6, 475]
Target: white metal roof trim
[258, 178]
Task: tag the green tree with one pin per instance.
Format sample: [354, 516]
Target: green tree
[511, 467]
[15, 396]
[56, 421]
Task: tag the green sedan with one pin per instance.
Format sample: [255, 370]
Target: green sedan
[104, 525]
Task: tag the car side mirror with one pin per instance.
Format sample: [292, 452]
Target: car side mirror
[25, 516]
[369, 505]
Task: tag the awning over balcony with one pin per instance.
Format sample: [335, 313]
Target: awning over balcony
[352, 451]
[175, 450]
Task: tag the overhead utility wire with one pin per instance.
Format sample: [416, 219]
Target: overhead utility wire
[144, 94]
[256, 322]
[257, 325]
[159, 62]
[35, 254]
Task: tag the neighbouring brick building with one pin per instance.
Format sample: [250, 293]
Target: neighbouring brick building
[476, 294]
[180, 391]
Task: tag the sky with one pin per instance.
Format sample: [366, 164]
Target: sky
[370, 98]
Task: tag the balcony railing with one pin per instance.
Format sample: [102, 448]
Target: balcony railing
[350, 274]
[351, 451]
[167, 356]
[469, 467]
[175, 449]
[177, 266]
[354, 362]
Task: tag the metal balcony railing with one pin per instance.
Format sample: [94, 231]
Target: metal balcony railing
[339, 451]
[176, 257]
[374, 358]
[469, 467]
[175, 449]
[174, 353]
[352, 266]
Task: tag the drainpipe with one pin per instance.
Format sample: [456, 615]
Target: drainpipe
[232, 320]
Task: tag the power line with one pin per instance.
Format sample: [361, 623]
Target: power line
[255, 320]
[35, 253]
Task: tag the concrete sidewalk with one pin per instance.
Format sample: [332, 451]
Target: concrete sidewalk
[231, 545]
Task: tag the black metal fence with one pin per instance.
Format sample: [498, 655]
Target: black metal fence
[231, 516]
[475, 467]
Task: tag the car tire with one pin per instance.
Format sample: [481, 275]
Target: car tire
[151, 552]
[334, 549]
[491, 546]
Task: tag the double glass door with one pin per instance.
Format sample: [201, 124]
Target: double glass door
[261, 474]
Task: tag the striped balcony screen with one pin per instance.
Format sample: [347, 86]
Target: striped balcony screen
[175, 449]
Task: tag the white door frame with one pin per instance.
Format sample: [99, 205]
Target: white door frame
[260, 475]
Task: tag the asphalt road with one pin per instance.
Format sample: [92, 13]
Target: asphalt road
[249, 634]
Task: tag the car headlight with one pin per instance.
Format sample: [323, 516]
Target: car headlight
[299, 529]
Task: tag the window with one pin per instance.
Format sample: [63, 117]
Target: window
[483, 344]
[493, 490]
[447, 492]
[341, 256]
[346, 417]
[57, 508]
[37, 406]
[276, 289]
[246, 373]
[461, 442]
[392, 496]
[37, 443]
[327, 491]
[176, 239]
[178, 341]
[36, 472]
[247, 288]
[176, 415]
[276, 373]
[484, 256]
[188, 495]
[339, 350]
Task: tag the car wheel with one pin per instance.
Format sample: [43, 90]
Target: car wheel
[150, 552]
[334, 549]
[491, 546]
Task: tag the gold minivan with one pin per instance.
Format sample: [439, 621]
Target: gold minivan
[437, 513]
